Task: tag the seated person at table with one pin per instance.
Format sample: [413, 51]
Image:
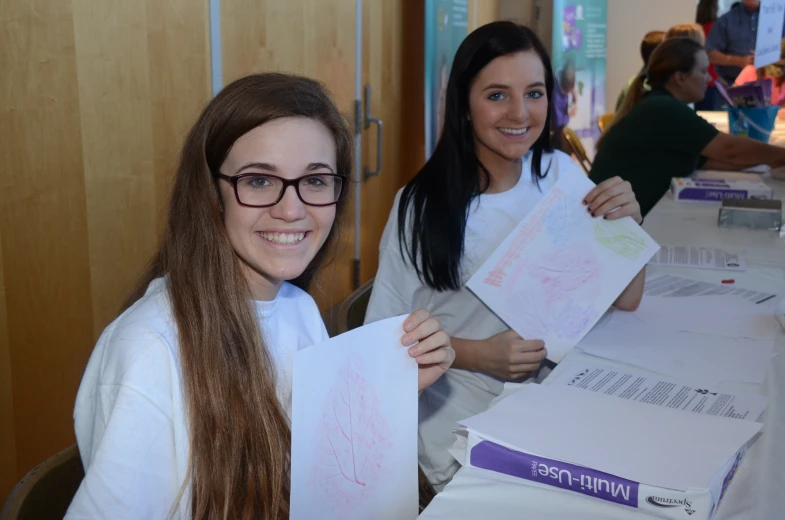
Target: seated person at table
[184, 408]
[775, 71]
[491, 166]
[656, 136]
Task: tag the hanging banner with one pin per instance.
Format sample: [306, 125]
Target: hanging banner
[579, 52]
[446, 25]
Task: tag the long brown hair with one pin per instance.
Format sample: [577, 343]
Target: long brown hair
[239, 435]
[671, 56]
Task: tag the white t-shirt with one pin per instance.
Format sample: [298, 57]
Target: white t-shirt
[397, 290]
[130, 417]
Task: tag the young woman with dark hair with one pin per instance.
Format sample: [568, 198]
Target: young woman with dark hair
[491, 165]
[183, 410]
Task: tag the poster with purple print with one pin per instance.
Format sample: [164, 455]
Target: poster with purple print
[354, 427]
[560, 269]
[579, 55]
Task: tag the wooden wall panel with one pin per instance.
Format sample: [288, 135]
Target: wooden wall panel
[7, 432]
[96, 98]
[383, 42]
[179, 74]
[117, 146]
[309, 37]
[43, 224]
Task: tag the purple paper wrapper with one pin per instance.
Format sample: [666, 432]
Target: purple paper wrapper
[491, 456]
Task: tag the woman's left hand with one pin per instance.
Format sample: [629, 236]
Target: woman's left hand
[433, 353]
[613, 199]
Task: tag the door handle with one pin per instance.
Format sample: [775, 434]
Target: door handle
[369, 120]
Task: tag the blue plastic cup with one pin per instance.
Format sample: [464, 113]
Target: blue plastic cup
[755, 123]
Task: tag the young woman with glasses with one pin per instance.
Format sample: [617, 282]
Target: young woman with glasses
[184, 407]
[491, 166]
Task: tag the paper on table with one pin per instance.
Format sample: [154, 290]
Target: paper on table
[559, 270]
[719, 315]
[702, 359]
[658, 391]
[646, 444]
[699, 258]
[669, 286]
[354, 427]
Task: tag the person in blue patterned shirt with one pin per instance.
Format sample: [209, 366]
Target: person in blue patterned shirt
[731, 42]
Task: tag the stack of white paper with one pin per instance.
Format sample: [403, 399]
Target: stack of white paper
[354, 427]
[556, 274]
[670, 463]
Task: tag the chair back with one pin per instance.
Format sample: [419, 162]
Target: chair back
[47, 490]
[577, 148]
[604, 120]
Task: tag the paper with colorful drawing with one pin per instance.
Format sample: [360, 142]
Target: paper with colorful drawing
[560, 269]
[354, 427]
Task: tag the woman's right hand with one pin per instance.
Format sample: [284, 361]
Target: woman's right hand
[510, 357]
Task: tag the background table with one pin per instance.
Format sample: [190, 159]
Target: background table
[758, 489]
[720, 120]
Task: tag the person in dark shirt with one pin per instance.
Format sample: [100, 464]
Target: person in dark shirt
[655, 136]
[731, 42]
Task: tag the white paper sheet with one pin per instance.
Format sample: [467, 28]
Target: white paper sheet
[659, 391]
[719, 315]
[668, 286]
[354, 427]
[699, 258]
[701, 359]
[647, 444]
[555, 275]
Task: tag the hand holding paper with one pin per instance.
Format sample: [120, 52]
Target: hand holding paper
[613, 199]
[433, 352]
[354, 427]
[560, 269]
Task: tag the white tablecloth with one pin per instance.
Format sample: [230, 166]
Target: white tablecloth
[758, 489]
[720, 120]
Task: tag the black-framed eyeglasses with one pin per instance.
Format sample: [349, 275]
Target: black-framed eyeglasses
[257, 190]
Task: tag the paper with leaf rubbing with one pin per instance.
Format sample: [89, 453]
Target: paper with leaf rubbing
[354, 427]
[560, 269]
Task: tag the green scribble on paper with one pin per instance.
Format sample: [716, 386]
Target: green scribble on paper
[619, 238]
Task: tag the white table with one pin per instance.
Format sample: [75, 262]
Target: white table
[758, 489]
[720, 121]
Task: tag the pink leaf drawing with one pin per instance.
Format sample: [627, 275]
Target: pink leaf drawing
[564, 271]
[354, 438]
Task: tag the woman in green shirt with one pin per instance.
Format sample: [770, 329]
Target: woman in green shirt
[655, 136]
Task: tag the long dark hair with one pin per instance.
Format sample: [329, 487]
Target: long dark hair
[435, 204]
[239, 434]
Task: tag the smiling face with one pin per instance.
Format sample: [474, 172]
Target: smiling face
[508, 106]
[277, 243]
